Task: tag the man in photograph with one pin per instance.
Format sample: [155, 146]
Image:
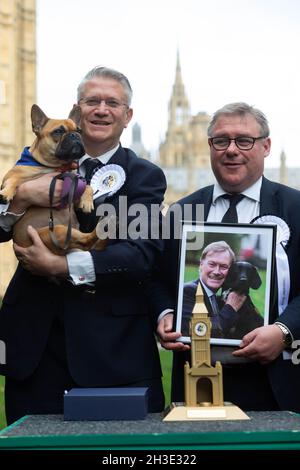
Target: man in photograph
[215, 262]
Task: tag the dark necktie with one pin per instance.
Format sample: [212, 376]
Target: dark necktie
[88, 222]
[231, 213]
[91, 165]
[215, 319]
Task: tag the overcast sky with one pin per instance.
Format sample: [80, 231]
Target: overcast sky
[233, 50]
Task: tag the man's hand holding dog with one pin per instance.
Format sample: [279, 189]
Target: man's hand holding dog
[35, 193]
[39, 260]
[235, 300]
[263, 344]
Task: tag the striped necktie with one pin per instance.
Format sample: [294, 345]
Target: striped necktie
[215, 319]
[91, 165]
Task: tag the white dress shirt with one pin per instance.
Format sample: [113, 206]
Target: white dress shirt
[247, 208]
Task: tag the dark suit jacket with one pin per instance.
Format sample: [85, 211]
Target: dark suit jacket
[284, 202]
[109, 333]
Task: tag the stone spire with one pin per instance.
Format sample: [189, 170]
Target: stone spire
[136, 142]
[173, 149]
[283, 176]
[179, 108]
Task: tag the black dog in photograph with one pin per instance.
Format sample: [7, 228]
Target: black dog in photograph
[241, 277]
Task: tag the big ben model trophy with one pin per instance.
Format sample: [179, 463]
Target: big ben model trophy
[203, 382]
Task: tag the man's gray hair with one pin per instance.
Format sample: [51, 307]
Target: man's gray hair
[241, 109]
[218, 247]
[106, 72]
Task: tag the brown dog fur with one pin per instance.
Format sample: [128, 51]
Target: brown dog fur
[49, 135]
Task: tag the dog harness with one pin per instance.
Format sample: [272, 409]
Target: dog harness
[73, 187]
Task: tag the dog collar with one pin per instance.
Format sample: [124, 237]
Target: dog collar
[27, 159]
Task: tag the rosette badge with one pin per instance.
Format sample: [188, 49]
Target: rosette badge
[282, 233]
[107, 181]
[282, 263]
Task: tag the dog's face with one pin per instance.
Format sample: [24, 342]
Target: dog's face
[241, 276]
[58, 141]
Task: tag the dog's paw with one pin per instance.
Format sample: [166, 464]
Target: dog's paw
[3, 198]
[86, 206]
[86, 203]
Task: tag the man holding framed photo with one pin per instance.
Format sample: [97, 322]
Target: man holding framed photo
[259, 375]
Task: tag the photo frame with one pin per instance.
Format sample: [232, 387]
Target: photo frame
[241, 279]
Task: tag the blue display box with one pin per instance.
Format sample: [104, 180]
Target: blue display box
[102, 404]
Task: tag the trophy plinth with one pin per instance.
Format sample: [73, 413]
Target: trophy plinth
[203, 383]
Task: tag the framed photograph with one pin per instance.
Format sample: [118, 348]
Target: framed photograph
[234, 264]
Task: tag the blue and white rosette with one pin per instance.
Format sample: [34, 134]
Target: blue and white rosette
[282, 263]
[107, 180]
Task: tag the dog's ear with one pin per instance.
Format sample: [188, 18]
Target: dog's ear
[231, 277]
[38, 119]
[255, 280]
[75, 114]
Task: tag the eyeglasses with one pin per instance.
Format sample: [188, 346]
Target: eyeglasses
[109, 103]
[243, 143]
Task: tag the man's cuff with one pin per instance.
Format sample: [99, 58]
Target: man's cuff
[81, 267]
[164, 313]
[8, 219]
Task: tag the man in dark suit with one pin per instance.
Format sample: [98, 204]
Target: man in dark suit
[93, 327]
[260, 375]
[216, 259]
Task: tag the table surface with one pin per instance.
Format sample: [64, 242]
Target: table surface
[265, 430]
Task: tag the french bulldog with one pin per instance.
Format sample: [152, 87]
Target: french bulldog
[56, 147]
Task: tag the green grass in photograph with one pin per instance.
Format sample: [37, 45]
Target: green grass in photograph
[257, 296]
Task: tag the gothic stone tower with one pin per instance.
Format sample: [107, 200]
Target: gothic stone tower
[17, 94]
[185, 145]
[203, 382]
[173, 150]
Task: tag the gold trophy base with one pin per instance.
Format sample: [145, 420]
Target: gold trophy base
[179, 412]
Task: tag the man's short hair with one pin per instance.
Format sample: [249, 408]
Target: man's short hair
[240, 109]
[106, 72]
[218, 247]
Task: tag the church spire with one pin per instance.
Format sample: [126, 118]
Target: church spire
[178, 78]
[179, 108]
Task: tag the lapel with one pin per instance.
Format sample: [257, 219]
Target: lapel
[119, 158]
[269, 201]
[88, 222]
[207, 194]
[270, 205]
[202, 196]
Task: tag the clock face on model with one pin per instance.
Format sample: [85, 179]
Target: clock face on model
[200, 328]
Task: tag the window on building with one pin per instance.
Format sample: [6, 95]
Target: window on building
[179, 115]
